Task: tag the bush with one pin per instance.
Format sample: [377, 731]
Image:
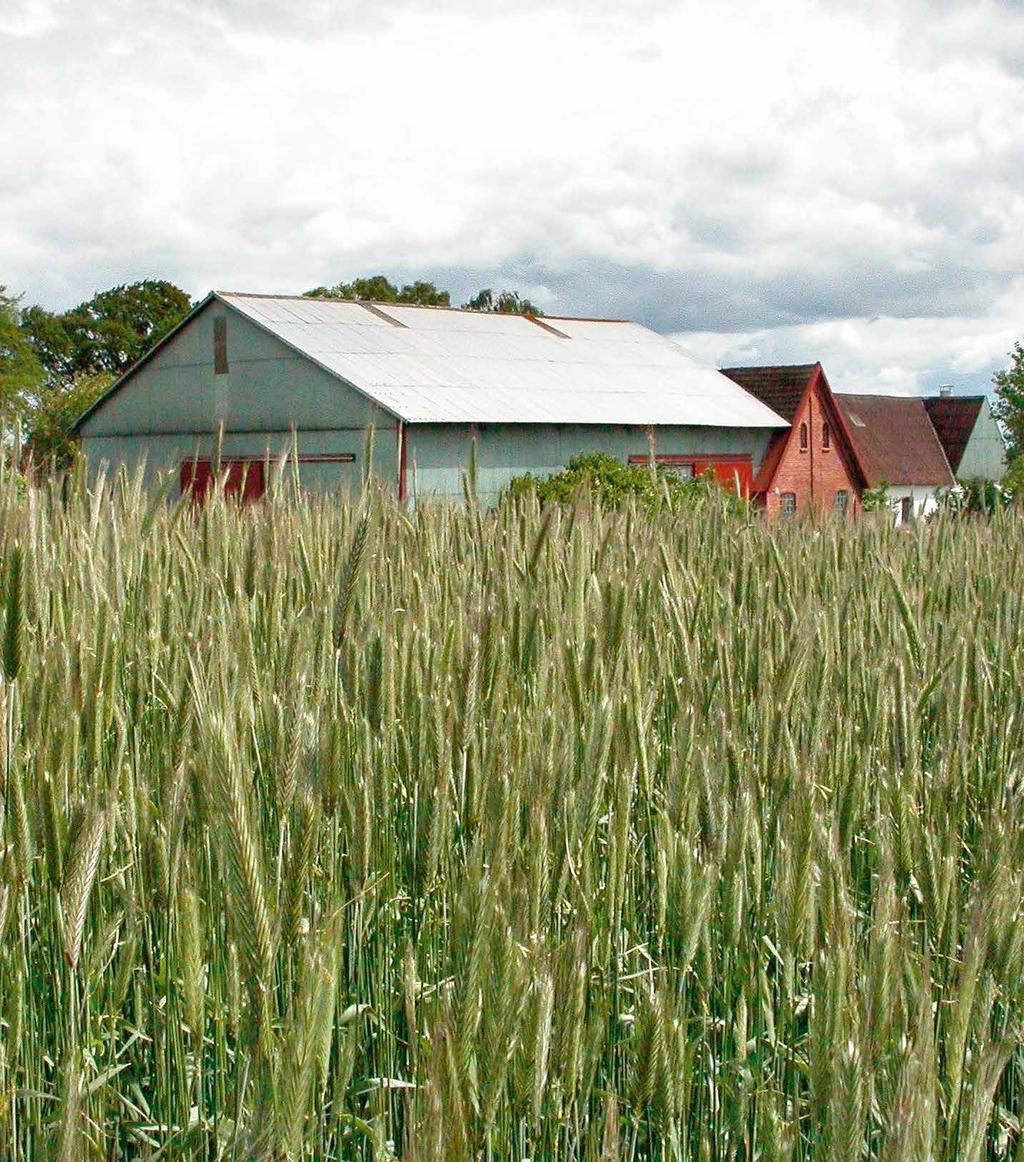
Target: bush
[611, 483]
[1013, 481]
[875, 499]
[975, 497]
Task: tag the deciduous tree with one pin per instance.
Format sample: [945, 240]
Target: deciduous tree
[378, 288]
[1009, 406]
[21, 374]
[502, 302]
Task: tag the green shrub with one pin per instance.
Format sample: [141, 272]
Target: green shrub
[875, 499]
[601, 478]
[975, 497]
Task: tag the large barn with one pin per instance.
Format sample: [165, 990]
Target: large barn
[280, 373]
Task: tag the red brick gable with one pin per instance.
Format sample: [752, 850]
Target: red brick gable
[814, 474]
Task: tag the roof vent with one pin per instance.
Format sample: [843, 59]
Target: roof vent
[945, 390]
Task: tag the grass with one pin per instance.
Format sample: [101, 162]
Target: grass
[332, 830]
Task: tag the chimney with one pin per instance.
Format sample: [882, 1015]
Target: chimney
[945, 390]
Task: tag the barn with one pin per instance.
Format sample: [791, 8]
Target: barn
[246, 378]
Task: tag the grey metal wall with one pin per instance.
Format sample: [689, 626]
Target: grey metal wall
[437, 454]
[985, 455]
[171, 409]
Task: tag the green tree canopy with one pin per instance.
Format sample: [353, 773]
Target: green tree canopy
[49, 443]
[106, 334]
[502, 302]
[21, 374]
[1009, 405]
[378, 288]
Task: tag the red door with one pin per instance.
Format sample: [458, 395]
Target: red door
[243, 479]
[735, 473]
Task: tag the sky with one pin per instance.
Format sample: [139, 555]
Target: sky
[767, 183]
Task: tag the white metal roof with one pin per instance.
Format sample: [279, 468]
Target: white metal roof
[434, 365]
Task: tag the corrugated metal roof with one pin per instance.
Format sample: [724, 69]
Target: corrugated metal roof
[432, 365]
[894, 439]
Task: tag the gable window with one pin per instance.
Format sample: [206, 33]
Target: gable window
[826, 437]
[841, 503]
[787, 504]
[803, 438]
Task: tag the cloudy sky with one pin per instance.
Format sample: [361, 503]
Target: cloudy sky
[791, 181]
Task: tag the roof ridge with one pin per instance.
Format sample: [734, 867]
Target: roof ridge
[385, 303]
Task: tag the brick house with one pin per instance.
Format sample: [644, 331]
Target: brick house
[811, 465]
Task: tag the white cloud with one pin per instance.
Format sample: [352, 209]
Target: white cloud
[759, 176]
[880, 355]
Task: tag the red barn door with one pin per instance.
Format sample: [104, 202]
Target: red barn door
[244, 479]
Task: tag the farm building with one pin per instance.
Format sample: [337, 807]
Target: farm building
[269, 370]
[897, 446]
[811, 465]
[969, 435]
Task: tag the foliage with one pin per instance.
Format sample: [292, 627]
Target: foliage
[1013, 481]
[975, 497]
[1009, 406]
[600, 477]
[20, 371]
[49, 443]
[876, 499]
[380, 289]
[557, 834]
[106, 334]
[503, 302]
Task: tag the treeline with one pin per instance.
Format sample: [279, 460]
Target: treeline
[55, 364]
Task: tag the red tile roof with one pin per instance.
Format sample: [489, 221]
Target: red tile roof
[953, 418]
[781, 388]
[894, 440]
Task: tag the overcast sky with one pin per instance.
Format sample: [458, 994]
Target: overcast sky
[792, 181]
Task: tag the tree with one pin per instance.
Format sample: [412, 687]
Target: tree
[21, 374]
[49, 443]
[1009, 405]
[106, 334]
[504, 302]
[380, 289]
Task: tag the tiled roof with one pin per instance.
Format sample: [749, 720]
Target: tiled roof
[953, 418]
[894, 440]
[781, 388]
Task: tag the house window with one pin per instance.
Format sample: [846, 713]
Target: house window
[841, 503]
[803, 438]
[826, 437]
[906, 510]
[220, 346]
[787, 502]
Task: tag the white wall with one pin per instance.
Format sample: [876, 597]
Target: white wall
[922, 496]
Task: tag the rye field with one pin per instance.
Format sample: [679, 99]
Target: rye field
[336, 831]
